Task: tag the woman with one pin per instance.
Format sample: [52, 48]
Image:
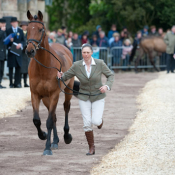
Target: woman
[89, 72]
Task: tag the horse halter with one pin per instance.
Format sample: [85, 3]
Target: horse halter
[38, 42]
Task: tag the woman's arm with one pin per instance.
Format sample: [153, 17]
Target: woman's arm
[109, 75]
[68, 74]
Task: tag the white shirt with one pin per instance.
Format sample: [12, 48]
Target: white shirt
[88, 73]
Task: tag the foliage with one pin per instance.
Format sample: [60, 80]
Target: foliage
[70, 13]
[79, 15]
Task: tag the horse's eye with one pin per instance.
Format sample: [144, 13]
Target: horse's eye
[40, 30]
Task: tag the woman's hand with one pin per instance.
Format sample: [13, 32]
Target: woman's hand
[103, 89]
[59, 74]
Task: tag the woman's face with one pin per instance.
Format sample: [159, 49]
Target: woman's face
[86, 53]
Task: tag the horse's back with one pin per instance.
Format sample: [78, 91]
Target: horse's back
[62, 49]
[153, 43]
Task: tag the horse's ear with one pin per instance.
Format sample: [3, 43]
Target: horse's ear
[29, 16]
[40, 15]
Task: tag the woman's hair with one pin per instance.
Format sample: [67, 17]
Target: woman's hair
[86, 45]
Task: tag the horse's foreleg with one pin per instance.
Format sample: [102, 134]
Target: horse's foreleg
[67, 136]
[54, 144]
[51, 123]
[36, 119]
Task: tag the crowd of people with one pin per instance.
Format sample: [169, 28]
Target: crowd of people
[98, 38]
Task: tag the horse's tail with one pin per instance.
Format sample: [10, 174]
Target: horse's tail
[76, 87]
[133, 52]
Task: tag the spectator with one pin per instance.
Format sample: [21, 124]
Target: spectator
[98, 29]
[122, 36]
[84, 39]
[68, 43]
[113, 38]
[125, 29]
[112, 31]
[60, 38]
[14, 60]
[126, 52]
[70, 34]
[103, 40]
[160, 32]
[137, 38]
[116, 53]
[127, 36]
[94, 41]
[170, 42]
[2, 49]
[76, 43]
[153, 31]
[51, 38]
[145, 31]
[64, 31]
[25, 59]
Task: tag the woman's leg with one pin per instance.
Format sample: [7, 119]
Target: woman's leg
[97, 112]
[85, 107]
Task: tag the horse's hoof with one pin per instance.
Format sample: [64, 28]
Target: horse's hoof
[43, 136]
[67, 138]
[54, 146]
[47, 152]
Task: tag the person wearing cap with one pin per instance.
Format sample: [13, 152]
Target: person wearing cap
[60, 38]
[112, 31]
[25, 59]
[2, 49]
[153, 31]
[145, 31]
[89, 72]
[98, 29]
[14, 60]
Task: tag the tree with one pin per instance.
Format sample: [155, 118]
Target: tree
[70, 13]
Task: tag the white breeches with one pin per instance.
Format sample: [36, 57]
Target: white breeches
[92, 113]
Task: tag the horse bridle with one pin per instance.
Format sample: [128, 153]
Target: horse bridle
[37, 47]
[38, 42]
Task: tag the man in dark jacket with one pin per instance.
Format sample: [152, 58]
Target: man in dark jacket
[14, 60]
[2, 48]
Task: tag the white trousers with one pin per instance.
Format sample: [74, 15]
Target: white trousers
[92, 113]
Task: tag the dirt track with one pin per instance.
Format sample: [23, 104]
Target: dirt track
[21, 150]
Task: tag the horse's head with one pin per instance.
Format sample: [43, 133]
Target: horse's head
[35, 33]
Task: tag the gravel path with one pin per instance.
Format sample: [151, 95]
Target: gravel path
[149, 148]
[13, 99]
[21, 150]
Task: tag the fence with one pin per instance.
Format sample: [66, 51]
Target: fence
[115, 59]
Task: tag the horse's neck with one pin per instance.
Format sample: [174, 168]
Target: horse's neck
[42, 55]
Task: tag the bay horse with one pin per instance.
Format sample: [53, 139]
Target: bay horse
[43, 82]
[148, 45]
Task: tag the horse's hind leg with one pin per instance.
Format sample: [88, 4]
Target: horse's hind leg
[36, 119]
[54, 144]
[152, 61]
[67, 136]
[51, 121]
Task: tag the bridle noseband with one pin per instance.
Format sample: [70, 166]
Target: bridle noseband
[38, 42]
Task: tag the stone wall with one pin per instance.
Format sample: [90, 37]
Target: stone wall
[18, 8]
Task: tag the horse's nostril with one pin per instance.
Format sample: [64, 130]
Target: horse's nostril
[32, 51]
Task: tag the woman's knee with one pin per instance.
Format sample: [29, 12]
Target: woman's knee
[97, 122]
